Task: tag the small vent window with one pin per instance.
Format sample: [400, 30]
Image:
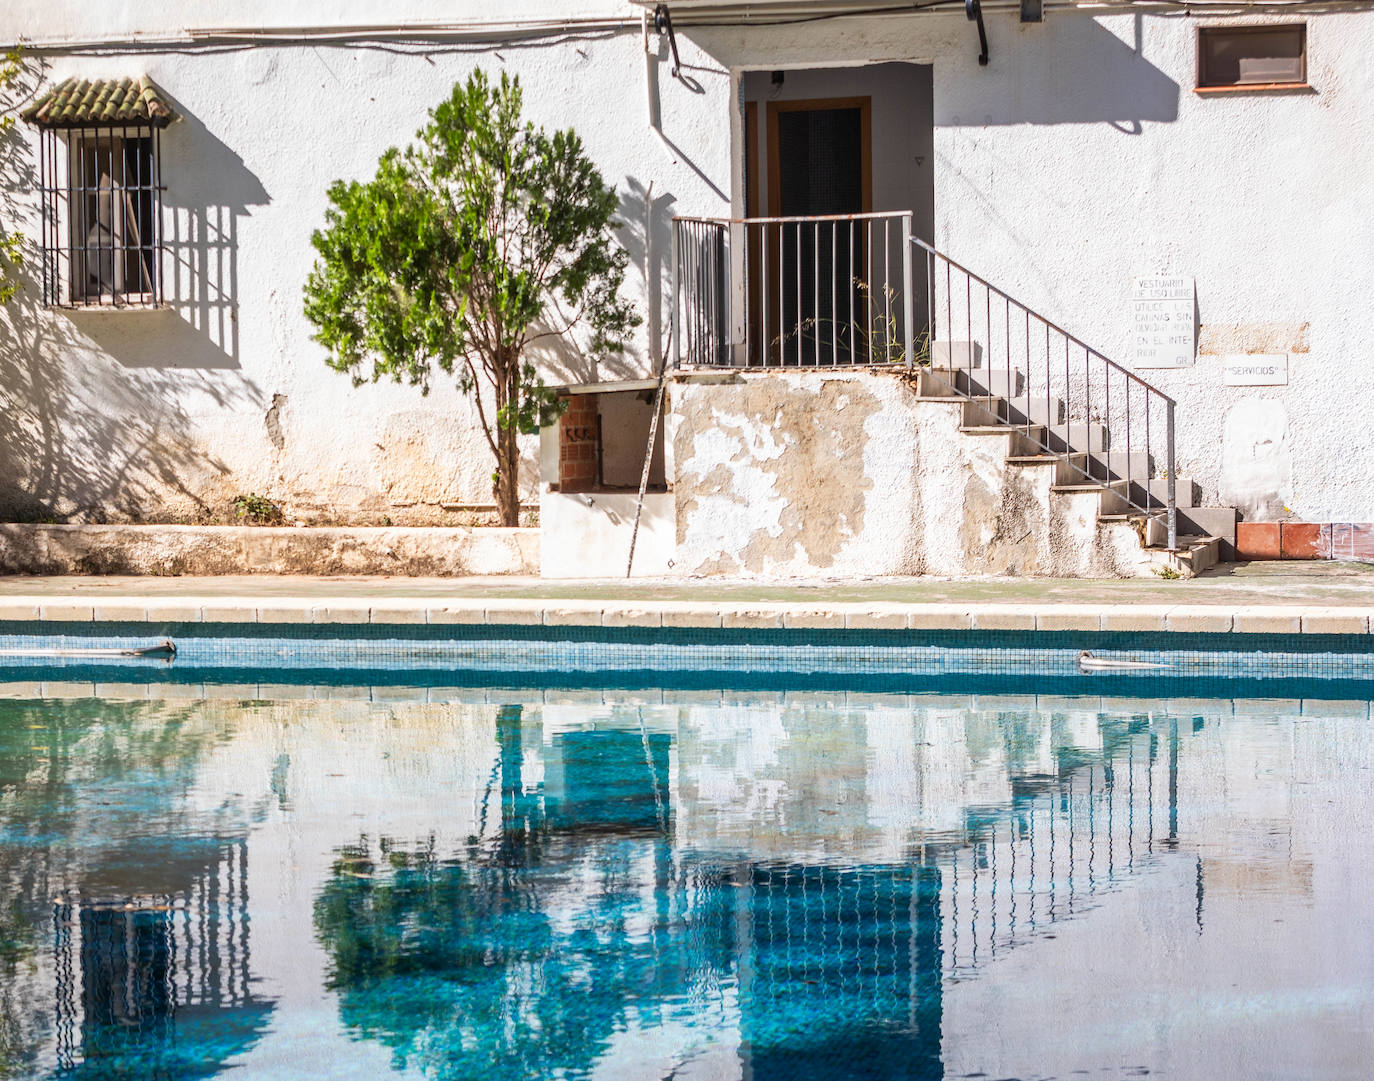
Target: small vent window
[1252, 57]
[101, 188]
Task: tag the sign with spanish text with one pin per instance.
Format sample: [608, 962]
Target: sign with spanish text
[1163, 322]
[1255, 370]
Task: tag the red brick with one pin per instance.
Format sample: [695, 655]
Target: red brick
[1257, 540]
[1301, 540]
[1362, 540]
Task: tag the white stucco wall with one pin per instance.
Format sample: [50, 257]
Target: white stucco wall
[1078, 158]
[172, 413]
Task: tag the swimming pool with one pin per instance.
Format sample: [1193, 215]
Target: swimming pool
[403, 879]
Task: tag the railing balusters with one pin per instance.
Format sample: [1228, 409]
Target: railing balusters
[849, 287]
[834, 295]
[868, 274]
[1068, 394]
[816, 299]
[887, 292]
[798, 260]
[1051, 415]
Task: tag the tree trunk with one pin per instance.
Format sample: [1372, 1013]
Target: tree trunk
[508, 441]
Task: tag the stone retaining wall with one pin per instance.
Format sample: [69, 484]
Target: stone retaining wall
[205, 550]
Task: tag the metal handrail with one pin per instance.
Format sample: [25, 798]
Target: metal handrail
[1086, 407]
[1052, 325]
[825, 290]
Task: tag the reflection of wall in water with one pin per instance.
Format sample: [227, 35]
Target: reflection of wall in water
[850, 953]
[138, 980]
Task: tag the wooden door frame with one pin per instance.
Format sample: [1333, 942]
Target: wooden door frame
[863, 104]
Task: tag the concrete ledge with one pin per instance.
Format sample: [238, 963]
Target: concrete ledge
[1145, 617]
[1037, 616]
[210, 550]
[1265, 620]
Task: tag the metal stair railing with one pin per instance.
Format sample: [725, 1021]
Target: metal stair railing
[824, 291]
[1069, 387]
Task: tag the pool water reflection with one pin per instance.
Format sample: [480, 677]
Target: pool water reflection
[727, 888]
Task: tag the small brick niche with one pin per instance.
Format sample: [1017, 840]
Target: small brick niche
[579, 445]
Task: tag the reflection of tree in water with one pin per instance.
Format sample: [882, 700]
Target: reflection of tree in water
[148, 934]
[521, 957]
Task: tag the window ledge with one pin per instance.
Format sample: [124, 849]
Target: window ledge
[1250, 88]
[131, 306]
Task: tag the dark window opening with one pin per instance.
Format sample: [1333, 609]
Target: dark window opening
[1252, 57]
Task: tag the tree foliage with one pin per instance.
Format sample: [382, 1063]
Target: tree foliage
[483, 236]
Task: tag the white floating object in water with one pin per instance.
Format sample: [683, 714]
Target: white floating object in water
[1088, 663]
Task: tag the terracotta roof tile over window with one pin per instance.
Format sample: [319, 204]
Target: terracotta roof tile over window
[81, 103]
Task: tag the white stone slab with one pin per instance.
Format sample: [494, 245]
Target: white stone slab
[1163, 321]
[1255, 370]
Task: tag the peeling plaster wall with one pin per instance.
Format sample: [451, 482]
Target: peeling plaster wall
[1078, 158]
[842, 474]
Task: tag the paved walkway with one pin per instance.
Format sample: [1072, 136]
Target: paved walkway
[1257, 597]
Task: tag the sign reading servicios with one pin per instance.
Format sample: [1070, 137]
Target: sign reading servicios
[1163, 322]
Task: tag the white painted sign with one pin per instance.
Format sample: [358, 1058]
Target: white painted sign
[1255, 370]
[1163, 326]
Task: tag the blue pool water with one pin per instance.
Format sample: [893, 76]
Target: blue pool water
[203, 881]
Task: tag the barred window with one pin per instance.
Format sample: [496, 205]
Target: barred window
[101, 188]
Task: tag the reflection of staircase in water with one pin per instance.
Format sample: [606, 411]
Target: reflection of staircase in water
[1065, 843]
[867, 951]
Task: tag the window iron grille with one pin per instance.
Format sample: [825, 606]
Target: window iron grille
[100, 188]
[101, 218]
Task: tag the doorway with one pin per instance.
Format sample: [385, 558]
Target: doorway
[820, 163]
[828, 142]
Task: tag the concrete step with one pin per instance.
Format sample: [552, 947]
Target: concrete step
[954, 354]
[1115, 501]
[989, 408]
[1119, 465]
[1072, 473]
[984, 411]
[1218, 522]
[998, 382]
[1024, 443]
[1035, 408]
[979, 382]
[938, 383]
[1078, 436]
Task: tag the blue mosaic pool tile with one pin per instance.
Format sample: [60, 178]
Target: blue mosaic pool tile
[797, 654]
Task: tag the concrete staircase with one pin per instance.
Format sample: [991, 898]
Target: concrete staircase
[1081, 457]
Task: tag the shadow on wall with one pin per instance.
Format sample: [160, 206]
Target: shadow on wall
[208, 190]
[95, 411]
[645, 231]
[1076, 72]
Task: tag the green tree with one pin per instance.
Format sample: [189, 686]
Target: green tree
[11, 251]
[483, 236]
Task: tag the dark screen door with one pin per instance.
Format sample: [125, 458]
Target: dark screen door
[819, 166]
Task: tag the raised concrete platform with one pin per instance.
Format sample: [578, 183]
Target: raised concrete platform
[161, 550]
[1249, 599]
